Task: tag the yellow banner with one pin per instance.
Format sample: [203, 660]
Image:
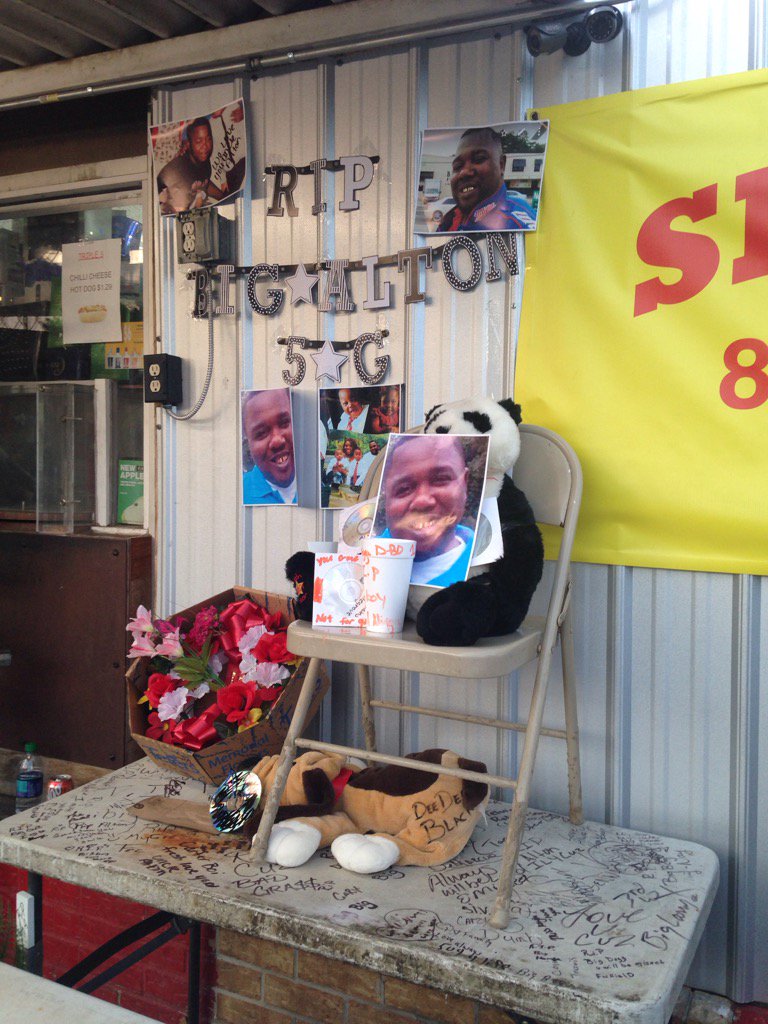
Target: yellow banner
[644, 333]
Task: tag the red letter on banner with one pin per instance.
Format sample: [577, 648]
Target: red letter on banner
[753, 189]
[696, 256]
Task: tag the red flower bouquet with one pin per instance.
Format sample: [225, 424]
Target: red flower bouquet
[216, 685]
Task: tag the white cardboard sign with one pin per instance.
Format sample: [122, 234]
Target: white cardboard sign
[90, 292]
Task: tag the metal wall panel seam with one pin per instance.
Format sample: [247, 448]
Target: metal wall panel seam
[167, 570]
[618, 721]
[246, 341]
[745, 744]
[758, 34]
[409, 727]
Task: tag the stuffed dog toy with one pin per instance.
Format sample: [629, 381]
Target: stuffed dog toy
[373, 817]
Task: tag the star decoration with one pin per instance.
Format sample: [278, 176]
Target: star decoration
[328, 363]
[301, 284]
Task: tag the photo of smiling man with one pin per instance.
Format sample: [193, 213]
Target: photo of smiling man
[269, 467]
[482, 178]
[431, 492]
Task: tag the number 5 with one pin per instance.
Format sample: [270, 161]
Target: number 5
[295, 357]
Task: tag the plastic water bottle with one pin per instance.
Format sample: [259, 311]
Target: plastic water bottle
[29, 779]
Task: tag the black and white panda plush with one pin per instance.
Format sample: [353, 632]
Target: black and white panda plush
[495, 598]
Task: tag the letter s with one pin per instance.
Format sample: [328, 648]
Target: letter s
[696, 256]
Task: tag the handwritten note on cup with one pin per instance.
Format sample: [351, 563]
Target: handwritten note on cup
[387, 564]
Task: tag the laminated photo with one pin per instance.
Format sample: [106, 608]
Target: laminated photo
[431, 492]
[200, 161]
[481, 178]
[354, 427]
[267, 445]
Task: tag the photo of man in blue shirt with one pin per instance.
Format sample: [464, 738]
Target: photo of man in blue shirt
[268, 441]
[477, 185]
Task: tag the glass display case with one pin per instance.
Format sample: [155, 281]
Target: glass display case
[58, 453]
[71, 411]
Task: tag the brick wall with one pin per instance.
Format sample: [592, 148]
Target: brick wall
[77, 921]
[262, 982]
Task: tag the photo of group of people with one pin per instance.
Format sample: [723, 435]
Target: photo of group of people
[354, 427]
[481, 179]
[200, 161]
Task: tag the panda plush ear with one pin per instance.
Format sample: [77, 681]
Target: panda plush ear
[432, 414]
[513, 409]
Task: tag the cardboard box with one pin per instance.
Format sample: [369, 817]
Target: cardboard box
[213, 764]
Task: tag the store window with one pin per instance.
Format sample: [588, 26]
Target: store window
[71, 345]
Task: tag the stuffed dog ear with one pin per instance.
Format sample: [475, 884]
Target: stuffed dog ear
[513, 409]
[472, 793]
[320, 797]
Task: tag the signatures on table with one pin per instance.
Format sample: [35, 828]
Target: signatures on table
[589, 902]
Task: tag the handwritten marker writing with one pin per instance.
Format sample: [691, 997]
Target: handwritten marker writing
[387, 566]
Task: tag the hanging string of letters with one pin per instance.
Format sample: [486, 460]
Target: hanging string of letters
[326, 283]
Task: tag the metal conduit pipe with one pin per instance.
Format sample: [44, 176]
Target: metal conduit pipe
[513, 18]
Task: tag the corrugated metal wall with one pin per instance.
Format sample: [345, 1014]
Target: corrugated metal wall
[671, 665]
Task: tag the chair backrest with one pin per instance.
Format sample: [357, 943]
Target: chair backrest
[548, 473]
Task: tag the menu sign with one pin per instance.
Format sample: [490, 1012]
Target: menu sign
[90, 292]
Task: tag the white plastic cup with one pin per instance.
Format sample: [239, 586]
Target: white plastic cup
[322, 547]
[387, 564]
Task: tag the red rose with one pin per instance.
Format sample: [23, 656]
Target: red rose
[272, 647]
[236, 700]
[157, 730]
[158, 685]
[266, 694]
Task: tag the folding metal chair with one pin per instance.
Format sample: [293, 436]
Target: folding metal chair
[549, 473]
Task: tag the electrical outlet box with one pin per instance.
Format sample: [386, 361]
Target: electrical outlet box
[203, 236]
[162, 379]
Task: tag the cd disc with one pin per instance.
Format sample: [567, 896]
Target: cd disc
[483, 534]
[358, 524]
[342, 588]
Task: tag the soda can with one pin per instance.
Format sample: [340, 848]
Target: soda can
[58, 785]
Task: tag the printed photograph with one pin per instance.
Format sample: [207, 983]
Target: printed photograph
[200, 161]
[269, 464]
[354, 427]
[482, 178]
[431, 492]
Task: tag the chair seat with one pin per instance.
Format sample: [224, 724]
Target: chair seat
[489, 657]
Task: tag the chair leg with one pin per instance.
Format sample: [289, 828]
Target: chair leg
[369, 728]
[287, 754]
[571, 720]
[499, 915]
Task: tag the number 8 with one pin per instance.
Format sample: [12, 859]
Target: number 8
[754, 372]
